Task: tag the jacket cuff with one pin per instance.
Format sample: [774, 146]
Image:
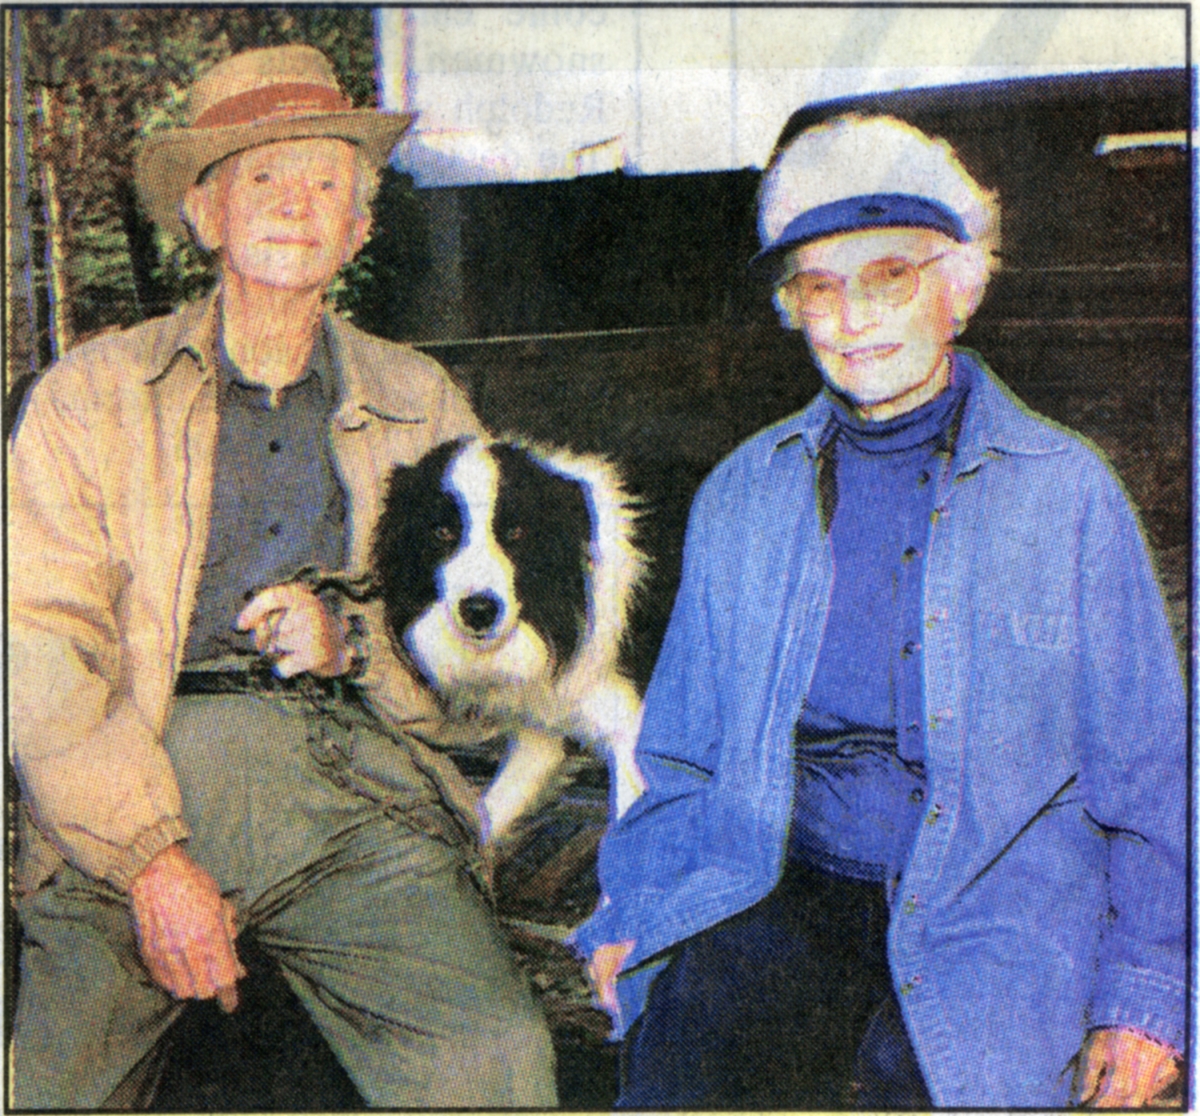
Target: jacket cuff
[595, 931]
[146, 846]
[1142, 1000]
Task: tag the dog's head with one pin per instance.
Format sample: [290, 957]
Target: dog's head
[482, 555]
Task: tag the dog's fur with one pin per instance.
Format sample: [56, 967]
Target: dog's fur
[507, 571]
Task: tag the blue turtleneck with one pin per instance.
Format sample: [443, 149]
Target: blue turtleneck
[860, 777]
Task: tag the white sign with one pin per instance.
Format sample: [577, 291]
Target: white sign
[527, 94]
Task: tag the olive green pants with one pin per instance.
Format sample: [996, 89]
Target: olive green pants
[335, 849]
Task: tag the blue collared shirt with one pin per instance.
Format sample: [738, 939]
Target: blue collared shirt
[1045, 891]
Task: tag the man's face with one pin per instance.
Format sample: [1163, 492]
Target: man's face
[284, 215]
[879, 356]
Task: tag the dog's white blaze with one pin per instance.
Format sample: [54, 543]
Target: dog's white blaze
[479, 565]
[509, 653]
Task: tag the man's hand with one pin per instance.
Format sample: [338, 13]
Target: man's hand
[293, 626]
[1123, 1068]
[186, 929]
[605, 966]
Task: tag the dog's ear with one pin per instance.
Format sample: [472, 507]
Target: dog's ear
[419, 527]
[542, 521]
[414, 500]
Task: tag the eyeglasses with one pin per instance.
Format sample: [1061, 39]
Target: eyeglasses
[892, 281]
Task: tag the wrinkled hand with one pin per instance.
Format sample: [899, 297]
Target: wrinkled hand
[292, 625]
[605, 966]
[186, 929]
[1121, 1068]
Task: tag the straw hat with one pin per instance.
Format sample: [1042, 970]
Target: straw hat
[256, 97]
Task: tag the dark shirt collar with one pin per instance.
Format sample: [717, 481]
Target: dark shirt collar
[322, 368]
[368, 388]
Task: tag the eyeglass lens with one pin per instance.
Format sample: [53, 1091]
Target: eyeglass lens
[892, 281]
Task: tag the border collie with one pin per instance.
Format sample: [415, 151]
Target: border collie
[506, 572]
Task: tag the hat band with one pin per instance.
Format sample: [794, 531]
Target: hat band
[270, 102]
[871, 211]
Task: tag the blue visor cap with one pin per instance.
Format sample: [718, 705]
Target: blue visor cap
[867, 211]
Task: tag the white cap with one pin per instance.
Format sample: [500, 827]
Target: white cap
[856, 172]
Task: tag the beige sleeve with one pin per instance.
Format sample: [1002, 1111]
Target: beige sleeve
[95, 778]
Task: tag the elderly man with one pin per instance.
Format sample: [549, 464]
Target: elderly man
[175, 790]
[914, 826]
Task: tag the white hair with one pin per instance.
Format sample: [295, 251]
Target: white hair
[852, 156]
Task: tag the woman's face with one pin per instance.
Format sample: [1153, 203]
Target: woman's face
[879, 311]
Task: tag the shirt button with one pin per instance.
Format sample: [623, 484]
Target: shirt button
[274, 529]
[917, 795]
[274, 445]
[910, 905]
[923, 479]
[909, 649]
[910, 552]
[913, 726]
[935, 812]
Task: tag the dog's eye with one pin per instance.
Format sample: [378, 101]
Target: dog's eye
[514, 534]
[444, 534]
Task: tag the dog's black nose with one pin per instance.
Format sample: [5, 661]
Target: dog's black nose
[479, 612]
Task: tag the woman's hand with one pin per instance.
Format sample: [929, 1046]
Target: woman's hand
[605, 967]
[1123, 1068]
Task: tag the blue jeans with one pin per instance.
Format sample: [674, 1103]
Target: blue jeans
[786, 1005]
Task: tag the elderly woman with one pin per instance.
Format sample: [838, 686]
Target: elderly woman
[915, 744]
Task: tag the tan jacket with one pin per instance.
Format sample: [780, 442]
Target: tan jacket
[109, 497]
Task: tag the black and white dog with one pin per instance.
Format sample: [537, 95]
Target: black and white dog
[507, 572]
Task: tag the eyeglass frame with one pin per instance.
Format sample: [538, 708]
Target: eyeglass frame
[845, 280]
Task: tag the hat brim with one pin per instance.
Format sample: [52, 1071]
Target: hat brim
[860, 213]
[169, 162]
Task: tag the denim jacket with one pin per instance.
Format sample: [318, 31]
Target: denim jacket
[1045, 892]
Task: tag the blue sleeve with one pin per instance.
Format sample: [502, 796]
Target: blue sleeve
[1134, 774]
[653, 845]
